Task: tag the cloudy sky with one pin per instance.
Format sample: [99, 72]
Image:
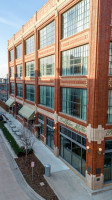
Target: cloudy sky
[14, 14]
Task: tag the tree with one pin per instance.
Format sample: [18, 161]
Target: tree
[27, 140]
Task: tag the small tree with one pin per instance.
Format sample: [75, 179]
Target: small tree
[27, 140]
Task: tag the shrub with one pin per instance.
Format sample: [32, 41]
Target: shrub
[18, 151]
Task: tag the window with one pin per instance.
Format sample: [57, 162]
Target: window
[19, 106]
[74, 102]
[75, 61]
[11, 55]
[30, 45]
[73, 149]
[12, 88]
[47, 35]
[30, 93]
[12, 72]
[19, 71]
[47, 96]
[30, 69]
[76, 19]
[109, 111]
[110, 59]
[41, 122]
[19, 51]
[111, 16]
[47, 66]
[19, 90]
[50, 133]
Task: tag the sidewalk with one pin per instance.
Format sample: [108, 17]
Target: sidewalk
[66, 184]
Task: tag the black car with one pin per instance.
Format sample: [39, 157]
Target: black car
[1, 118]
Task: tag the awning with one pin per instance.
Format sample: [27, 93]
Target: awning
[27, 113]
[10, 102]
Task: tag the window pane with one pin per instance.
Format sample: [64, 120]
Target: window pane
[30, 92]
[47, 66]
[19, 51]
[47, 35]
[74, 102]
[76, 19]
[19, 90]
[47, 96]
[29, 44]
[109, 110]
[30, 69]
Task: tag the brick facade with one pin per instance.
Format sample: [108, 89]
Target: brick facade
[97, 82]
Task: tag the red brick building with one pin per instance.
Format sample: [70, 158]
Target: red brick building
[60, 74]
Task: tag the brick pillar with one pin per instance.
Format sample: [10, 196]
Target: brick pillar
[36, 80]
[56, 91]
[97, 91]
[9, 69]
[14, 49]
[23, 63]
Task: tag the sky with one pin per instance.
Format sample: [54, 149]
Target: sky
[14, 14]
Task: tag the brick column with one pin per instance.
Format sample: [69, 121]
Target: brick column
[23, 69]
[9, 69]
[56, 90]
[15, 91]
[97, 91]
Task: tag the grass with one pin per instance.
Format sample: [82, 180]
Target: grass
[18, 151]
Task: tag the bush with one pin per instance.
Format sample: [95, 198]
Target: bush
[18, 151]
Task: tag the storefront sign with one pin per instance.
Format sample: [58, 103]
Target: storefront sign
[72, 125]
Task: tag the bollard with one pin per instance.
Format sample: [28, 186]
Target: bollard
[47, 170]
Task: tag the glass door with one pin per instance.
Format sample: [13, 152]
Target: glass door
[108, 167]
[50, 137]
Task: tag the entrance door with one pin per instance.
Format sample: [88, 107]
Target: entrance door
[108, 167]
[50, 137]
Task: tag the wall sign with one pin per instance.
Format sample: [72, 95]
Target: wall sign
[72, 125]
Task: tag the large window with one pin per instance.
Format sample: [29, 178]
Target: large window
[110, 59]
[76, 19]
[19, 51]
[19, 71]
[109, 111]
[75, 61]
[30, 45]
[74, 102]
[47, 35]
[19, 90]
[11, 55]
[73, 149]
[47, 66]
[30, 93]
[50, 133]
[12, 88]
[47, 96]
[30, 69]
[12, 72]
[41, 122]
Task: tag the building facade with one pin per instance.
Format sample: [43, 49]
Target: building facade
[4, 89]
[60, 83]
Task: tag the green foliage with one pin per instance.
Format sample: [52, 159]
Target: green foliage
[19, 151]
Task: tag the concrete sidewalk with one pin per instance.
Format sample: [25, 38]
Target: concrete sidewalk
[66, 184]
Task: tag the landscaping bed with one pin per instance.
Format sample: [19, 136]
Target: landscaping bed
[45, 191]
[39, 184]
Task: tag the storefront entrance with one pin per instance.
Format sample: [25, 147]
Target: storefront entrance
[108, 162]
[50, 133]
[73, 149]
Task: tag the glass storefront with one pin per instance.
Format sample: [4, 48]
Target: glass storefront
[50, 133]
[73, 149]
[108, 161]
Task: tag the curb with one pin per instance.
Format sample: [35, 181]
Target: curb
[18, 175]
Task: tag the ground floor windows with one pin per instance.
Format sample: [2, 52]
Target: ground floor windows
[50, 134]
[19, 106]
[108, 161]
[41, 122]
[73, 150]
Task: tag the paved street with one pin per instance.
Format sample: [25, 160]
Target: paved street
[9, 188]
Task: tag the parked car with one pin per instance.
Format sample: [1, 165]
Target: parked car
[1, 118]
